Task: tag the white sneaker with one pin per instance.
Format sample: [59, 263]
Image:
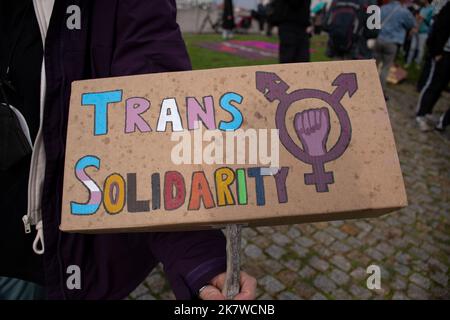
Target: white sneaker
[440, 124]
[423, 124]
[432, 118]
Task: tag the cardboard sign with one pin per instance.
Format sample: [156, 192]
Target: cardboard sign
[273, 144]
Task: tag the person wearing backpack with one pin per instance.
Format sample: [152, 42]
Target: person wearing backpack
[396, 21]
[343, 24]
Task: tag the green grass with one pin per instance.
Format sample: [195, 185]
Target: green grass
[206, 59]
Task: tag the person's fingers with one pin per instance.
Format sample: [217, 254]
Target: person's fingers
[211, 293]
[248, 287]
[219, 281]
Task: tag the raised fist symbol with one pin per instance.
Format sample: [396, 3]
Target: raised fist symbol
[312, 127]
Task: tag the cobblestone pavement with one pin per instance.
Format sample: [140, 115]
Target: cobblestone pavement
[329, 260]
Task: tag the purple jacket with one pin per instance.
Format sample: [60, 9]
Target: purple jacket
[117, 37]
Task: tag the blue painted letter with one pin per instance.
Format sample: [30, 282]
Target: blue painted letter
[225, 103]
[100, 102]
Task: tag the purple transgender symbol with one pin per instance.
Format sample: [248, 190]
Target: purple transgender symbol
[312, 125]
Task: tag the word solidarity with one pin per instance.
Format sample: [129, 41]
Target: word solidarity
[230, 188]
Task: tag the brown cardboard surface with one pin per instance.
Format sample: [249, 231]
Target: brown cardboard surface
[366, 177]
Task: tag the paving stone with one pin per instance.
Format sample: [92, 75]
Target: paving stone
[354, 242]
[261, 241]
[323, 251]
[336, 233]
[287, 295]
[341, 294]
[358, 273]
[248, 233]
[305, 242]
[271, 285]
[399, 296]
[304, 290]
[420, 280]
[436, 263]
[398, 283]
[402, 269]
[386, 249]
[280, 239]
[417, 293]
[271, 266]
[318, 263]
[299, 250]
[253, 251]
[340, 247]
[307, 272]
[293, 233]
[359, 292]
[350, 229]
[292, 264]
[324, 283]
[323, 237]
[275, 251]
[287, 277]
[440, 293]
[440, 278]
[375, 254]
[339, 277]
[419, 253]
[265, 296]
[341, 262]
[318, 296]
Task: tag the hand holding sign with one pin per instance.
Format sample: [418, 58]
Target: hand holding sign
[312, 127]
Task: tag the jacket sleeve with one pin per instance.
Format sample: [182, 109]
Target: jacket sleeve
[440, 32]
[149, 40]
[408, 20]
[190, 259]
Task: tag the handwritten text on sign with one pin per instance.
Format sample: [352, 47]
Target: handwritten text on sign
[312, 127]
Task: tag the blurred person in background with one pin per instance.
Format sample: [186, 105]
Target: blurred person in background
[396, 21]
[293, 20]
[439, 75]
[318, 14]
[419, 38]
[228, 19]
[260, 15]
[362, 51]
[343, 24]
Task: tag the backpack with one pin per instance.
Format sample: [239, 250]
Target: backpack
[342, 25]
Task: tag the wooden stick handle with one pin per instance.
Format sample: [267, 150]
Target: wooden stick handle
[232, 278]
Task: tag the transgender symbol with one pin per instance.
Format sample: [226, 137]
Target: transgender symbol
[312, 125]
